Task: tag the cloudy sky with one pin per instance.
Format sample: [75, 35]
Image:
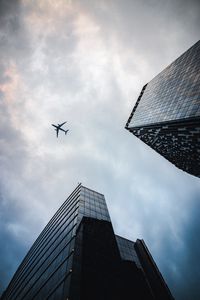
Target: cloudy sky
[86, 62]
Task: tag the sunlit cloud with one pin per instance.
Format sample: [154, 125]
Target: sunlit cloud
[85, 63]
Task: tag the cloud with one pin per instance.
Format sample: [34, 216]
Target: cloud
[86, 63]
[181, 254]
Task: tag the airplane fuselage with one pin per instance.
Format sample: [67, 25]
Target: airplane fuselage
[58, 127]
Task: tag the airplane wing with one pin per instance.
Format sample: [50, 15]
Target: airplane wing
[62, 124]
[57, 128]
[61, 129]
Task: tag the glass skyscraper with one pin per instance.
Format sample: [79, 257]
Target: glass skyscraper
[78, 256]
[166, 115]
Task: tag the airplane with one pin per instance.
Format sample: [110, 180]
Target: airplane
[58, 127]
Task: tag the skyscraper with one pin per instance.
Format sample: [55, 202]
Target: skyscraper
[78, 256]
[166, 115]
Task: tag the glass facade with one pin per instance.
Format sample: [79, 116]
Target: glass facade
[46, 269]
[166, 115]
[173, 94]
[92, 204]
[127, 250]
[78, 257]
[47, 266]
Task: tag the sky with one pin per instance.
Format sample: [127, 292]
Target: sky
[85, 62]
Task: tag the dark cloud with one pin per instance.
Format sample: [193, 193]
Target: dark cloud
[86, 62]
[13, 247]
[14, 44]
[181, 255]
[188, 262]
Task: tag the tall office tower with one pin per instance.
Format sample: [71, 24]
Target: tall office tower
[78, 257]
[166, 115]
